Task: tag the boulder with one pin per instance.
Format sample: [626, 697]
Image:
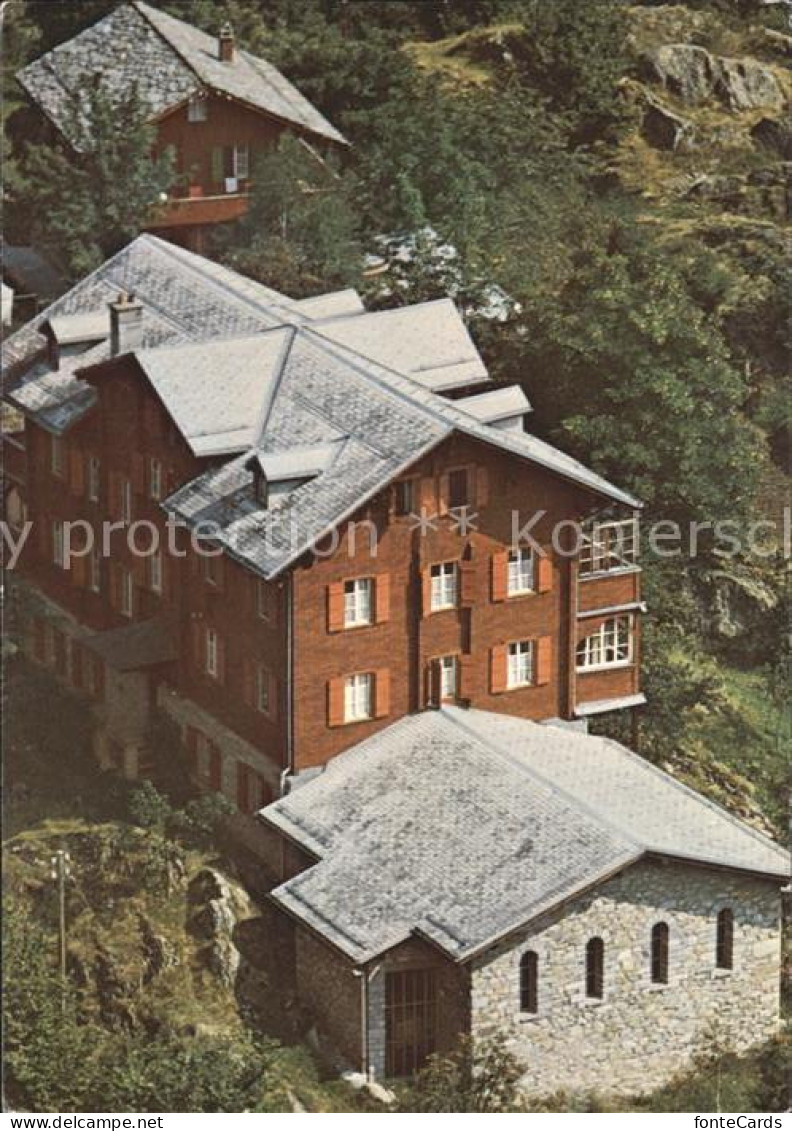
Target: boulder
[774, 134]
[664, 129]
[208, 884]
[696, 76]
[746, 84]
[223, 959]
[739, 607]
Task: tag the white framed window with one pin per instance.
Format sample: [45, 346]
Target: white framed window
[358, 697]
[95, 570]
[610, 546]
[94, 478]
[155, 479]
[241, 162]
[127, 593]
[57, 460]
[521, 573]
[126, 500]
[263, 693]
[58, 551]
[610, 646]
[444, 586]
[263, 607]
[520, 669]
[358, 602]
[154, 566]
[449, 676]
[197, 109]
[211, 653]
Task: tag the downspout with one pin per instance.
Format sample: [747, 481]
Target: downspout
[365, 974]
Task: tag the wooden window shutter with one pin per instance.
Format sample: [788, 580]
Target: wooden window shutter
[467, 583]
[428, 494]
[544, 574]
[426, 591]
[498, 669]
[335, 606]
[500, 576]
[76, 471]
[382, 597]
[482, 486]
[138, 473]
[218, 164]
[79, 572]
[445, 492]
[335, 702]
[381, 693]
[544, 660]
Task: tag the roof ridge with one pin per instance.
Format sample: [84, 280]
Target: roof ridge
[269, 404]
[140, 7]
[530, 772]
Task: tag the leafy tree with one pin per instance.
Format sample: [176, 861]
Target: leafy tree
[478, 1076]
[88, 202]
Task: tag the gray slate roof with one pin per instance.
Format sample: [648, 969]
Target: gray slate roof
[169, 61]
[462, 826]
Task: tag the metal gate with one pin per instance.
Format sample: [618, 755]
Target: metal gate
[410, 1020]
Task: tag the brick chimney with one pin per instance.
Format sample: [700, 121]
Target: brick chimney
[126, 324]
[226, 44]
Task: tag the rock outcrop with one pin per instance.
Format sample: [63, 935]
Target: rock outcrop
[696, 76]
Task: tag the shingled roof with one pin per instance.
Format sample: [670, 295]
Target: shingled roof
[245, 371]
[532, 814]
[168, 61]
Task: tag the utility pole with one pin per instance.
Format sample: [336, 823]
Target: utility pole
[61, 871]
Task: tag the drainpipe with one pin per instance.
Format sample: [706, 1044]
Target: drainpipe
[365, 974]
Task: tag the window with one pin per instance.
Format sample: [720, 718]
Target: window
[154, 566]
[405, 500]
[94, 478]
[609, 647]
[127, 593]
[57, 462]
[444, 586]
[126, 500]
[58, 551]
[241, 162]
[263, 684]
[211, 653]
[520, 578]
[724, 943]
[660, 953]
[609, 546]
[197, 109]
[95, 570]
[529, 989]
[595, 968]
[357, 602]
[449, 670]
[458, 490]
[155, 479]
[520, 669]
[357, 698]
[263, 607]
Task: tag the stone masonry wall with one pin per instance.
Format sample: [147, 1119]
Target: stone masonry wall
[640, 1034]
[331, 993]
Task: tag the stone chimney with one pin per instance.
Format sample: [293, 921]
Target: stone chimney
[126, 324]
[226, 44]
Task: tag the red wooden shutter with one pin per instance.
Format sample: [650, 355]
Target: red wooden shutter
[381, 693]
[482, 486]
[500, 576]
[544, 660]
[76, 471]
[498, 669]
[138, 473]
[428, 494]
[445, 492]
[335, 606]
[426, 591]
[243, 787]
[382, 597]
[467, 583]
[544, 568]
[335, 702]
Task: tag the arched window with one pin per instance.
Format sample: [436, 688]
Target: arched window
[660, 953]
[595, 968]
[724, 942]
[529, 982]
